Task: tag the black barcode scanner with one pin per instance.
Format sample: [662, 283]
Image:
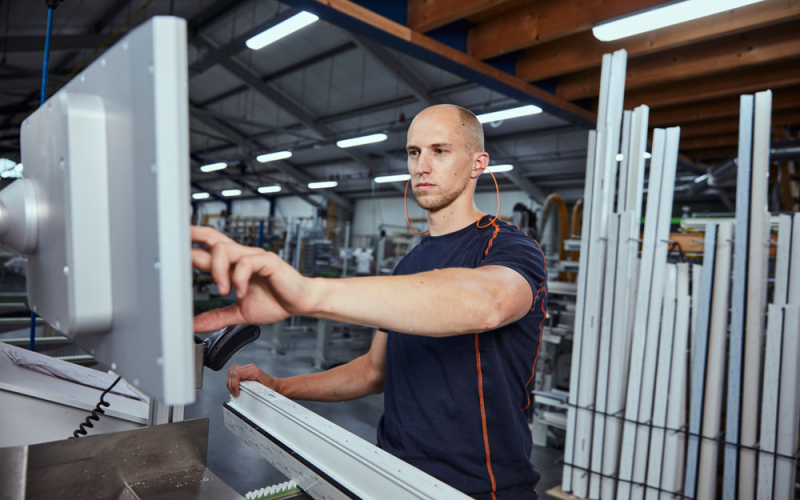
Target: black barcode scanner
[219, 346]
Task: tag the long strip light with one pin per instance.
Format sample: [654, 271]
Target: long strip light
[664, 16]
[281, 30]
[500, 168]
[322, 184]
[392, 178]
[279, 155]
[509, 113]
[231, 192]
[214, 166]
[269, 189]
[200, 196]
[360, 141]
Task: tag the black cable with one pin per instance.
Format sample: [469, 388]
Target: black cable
[98, 410]
[719, 438]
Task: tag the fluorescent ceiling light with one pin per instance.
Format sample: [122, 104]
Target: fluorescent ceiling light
[500, 168]
[665, 16]
[213, 167]
[360, 141]
[200, 196]
[509, 113]
[231, 192]
[322, 185]
[280, 155]
[392, 178]
[281, 30]
[269, 189]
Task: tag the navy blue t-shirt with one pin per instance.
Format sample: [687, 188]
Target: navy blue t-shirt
[455, 406]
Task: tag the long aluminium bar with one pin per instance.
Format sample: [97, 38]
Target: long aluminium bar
[738, 298]
[699, 353]
[326, 461]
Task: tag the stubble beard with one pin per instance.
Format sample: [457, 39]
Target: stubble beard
[438, 202]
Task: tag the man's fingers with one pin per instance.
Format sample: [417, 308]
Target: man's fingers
[208, 236]
[235, 384]
[201, 260]
[215, 319]
[220, 267]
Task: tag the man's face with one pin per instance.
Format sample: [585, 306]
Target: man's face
[438, 158]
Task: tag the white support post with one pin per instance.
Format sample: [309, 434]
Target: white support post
[671, 474]
[656, 452]
[636, 160]
[769, 402]
[583, 261]
[738, 298]
[622, 186]
[715, 370]
[641, 313]
[594, 242]
[756, 293]
[609, 291]
[608, 450]
[667, 188]
[698, 371]
[780, 296]
[789, 403]
[793, 296]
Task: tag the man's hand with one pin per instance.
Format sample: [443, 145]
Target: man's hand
[268, 289]
[238, 373]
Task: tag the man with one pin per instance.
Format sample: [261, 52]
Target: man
[459, 323]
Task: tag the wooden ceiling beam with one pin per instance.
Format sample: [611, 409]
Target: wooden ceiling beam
[367, 23]
[711, 156]
[545, 20]
[784, 98]
[731, 125]
[766, 45]
[773, 76]
[583, 50]
[714, 142]
[426, 15]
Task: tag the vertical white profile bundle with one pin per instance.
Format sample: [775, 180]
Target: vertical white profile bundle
[601, 173]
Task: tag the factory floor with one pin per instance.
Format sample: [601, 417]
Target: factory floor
[244, 470]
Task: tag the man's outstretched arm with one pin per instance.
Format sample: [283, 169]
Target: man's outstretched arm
[437, 303]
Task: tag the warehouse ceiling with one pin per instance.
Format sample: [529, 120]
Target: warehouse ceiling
[325, 83]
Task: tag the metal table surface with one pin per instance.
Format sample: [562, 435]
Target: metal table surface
[153, 463]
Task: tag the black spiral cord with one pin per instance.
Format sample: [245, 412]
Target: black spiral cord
[98, 410]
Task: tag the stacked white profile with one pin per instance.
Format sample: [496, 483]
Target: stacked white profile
[668, 391]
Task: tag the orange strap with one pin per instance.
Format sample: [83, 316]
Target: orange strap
[497, 188]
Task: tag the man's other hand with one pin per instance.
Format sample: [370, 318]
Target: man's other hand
[238, 373]
[268, 289]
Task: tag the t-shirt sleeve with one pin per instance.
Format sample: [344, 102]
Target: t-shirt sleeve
[520, 252]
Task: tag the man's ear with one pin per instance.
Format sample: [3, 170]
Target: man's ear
[479, 163]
